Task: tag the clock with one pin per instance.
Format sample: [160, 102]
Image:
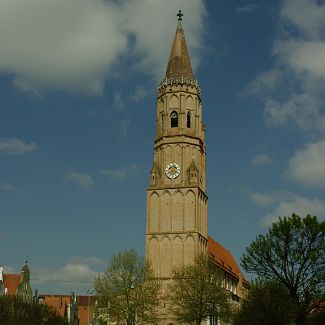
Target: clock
[172, 170]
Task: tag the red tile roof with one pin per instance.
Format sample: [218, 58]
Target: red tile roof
[223, 258]
[11, 282]
[58, 302]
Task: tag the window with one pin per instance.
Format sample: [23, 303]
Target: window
[188, 119]
[174, 119]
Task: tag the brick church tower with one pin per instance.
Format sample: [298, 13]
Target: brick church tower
[176, 197]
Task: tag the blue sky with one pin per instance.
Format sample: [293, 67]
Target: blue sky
[77, 108]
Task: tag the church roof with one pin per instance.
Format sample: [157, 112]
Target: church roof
[11, 282]
[223, 258]
[179, 63]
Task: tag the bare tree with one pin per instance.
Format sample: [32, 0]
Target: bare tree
[196, 292]
[128, 294]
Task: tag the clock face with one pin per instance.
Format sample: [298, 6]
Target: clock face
[173, 170]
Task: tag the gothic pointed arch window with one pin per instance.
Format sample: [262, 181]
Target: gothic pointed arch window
[188, 119]
[174, 119]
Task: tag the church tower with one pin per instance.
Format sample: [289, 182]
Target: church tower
[177, 225]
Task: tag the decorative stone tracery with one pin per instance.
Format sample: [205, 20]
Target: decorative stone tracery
[178, 81]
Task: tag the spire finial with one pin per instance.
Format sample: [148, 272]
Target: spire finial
[179, 60]
[180, 15]
[180, 19]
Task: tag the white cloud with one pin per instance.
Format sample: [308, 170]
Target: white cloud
[283, 203]
[298, 54]
[83, 180]
[119, 174]
[262, 199]
[91, 260]
[79, 274]
[75, 45]
[6, 187]
[270, 198]
[307, 166]
[306, 15]
[76, 274]
[60, 44]
[301, 109]
[298, 205]
[16, 147]
[154, 36]
[264, 82]
[262, 159]
[302, 56]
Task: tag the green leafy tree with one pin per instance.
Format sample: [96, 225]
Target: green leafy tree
[16, 310]
[196, 292]
[128, 293]
[268, 303]
[293, 253]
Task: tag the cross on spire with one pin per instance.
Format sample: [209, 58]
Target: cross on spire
[180, 15]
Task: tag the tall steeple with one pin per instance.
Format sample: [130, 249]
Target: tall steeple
[179, 63]
[176, 198]
[24, 289]
[177, 214]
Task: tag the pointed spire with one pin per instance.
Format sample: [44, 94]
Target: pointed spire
[193, 166]
[155, 168]
[179, 63]
[24, 287]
